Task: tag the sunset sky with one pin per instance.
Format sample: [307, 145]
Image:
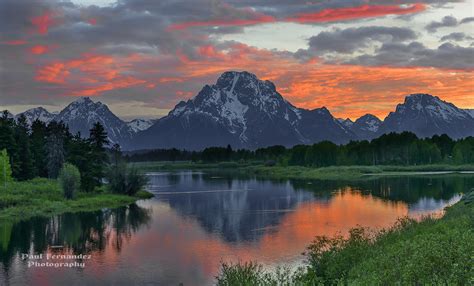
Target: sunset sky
[141, 56]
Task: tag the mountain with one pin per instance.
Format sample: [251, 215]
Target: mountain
[243, 111]
[346, 122]
[427, 115]
[9, 114]
[37, 113]
[81, 115]
[470, 111]
[366, 127]
[138, 125]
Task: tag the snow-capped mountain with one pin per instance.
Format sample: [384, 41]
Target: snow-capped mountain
[366, 127]
[37, 113]
[81, 115]
[242, 111]
[427, 115]
[138, 125]
[9, 114]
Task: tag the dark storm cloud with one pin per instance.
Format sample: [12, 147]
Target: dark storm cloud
[416, 54]
[392, 48]
[457, 37]
[351, 40]
[447, 21]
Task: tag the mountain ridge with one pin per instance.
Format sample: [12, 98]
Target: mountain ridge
[241, 110]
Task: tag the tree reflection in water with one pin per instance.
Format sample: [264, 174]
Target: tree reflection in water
[77, 233]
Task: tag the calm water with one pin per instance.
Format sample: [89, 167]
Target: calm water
[197, 220]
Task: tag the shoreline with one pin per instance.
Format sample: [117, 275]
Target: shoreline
[42, 198]
[309, 173]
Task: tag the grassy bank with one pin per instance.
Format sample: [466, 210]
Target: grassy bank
[427, 252]
[43, 197]
[300, 172]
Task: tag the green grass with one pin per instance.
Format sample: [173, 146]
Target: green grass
[300, 172]
[43, 197]
[427, 252]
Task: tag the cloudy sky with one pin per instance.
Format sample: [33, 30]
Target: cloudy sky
[142, 56]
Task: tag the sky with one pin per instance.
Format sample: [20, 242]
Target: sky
[141, 57]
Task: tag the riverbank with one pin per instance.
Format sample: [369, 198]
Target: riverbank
[427, 252]
[307, 173]
[43, 197]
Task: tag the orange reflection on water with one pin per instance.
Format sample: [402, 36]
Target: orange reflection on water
[173, 244]
[187, 244]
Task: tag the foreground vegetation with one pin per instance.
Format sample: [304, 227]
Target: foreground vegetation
[76, 169]
[44, 197]
[427, 252]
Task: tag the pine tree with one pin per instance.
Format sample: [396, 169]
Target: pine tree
[79, 154]
[54, 154]
[26, 168]
[98, 156]
[7, 140]
[38, 151]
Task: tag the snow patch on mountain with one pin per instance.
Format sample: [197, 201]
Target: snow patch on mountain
[38, 113]
[138, 125]
[427, 115]
[83, 113]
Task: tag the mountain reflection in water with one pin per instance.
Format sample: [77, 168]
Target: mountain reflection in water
[198, 220]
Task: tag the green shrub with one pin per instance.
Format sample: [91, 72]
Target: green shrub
[126, 180]
[70, 180]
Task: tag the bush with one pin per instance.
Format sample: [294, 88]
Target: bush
[70, 180]
[125, 180]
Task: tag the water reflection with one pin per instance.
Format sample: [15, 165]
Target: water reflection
[197, 220]
[72, 233]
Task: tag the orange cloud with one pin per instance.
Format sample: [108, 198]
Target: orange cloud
[346, 90]
[91, 74]
[53, 73]
[42, 23]
[350, 13]
[210, 52]
[326, 15]
[40, 49]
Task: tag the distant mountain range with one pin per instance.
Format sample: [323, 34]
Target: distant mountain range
[245, 112]
[81, 114]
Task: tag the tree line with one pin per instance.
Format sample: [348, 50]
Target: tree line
[389, 149]
[41, 150]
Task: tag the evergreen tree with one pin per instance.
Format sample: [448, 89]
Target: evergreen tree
[26, 167]
[54, 154]
[38, 151]
[7, 140]
[98, 156]
[79, 154]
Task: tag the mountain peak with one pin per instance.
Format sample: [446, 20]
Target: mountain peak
[421, 99]
[426, 115]
[368, 117]
[83, 100]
